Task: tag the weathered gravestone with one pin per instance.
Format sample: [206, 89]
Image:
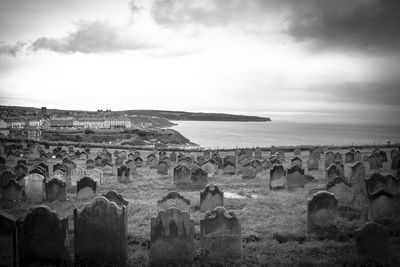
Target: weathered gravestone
[8, 240]
[296, 161]
[108, 169]
[101, 233]
[277, 178]
[297, 152]
[256, 164]
[172, 156]
[395, 165]
[152, 161]
[172, 242]
[86, 188]
[210, 198]
[59, 174]
[312, 164]
[90, 164]
[162, 168]
[200, 160]
[198, 178]
[383, 156]
[375, 162]
[357, 156]
[315, 153]
[210, 167]
[118, 199]
[394, 153]
[34, 188]
[322, 211]
[342, 191]
[123, 174]
[139, 162]
[12, 191]
[281, 156]
[340, 168]
[76, 175]
[221, 237]
[331, 173]
[258, 153]
[349, 157]
[372, 240]
[295, 177]
[56, 190]
[95, 174]
[249, 171]
[174, 200]
[375, 182]
[381, 207]
[43, 238]
[329, 159]
[393, 183]
[338, 157]
[229, 168]
[6, 176]
[181, 175]
[266, 164]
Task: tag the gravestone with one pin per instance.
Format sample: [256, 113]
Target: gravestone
[139, 162]
[273, 150]
[295, 177]
[210, 198]
[393, 185]
[8, 240]
[152, 161]
[312, 165]
[76, 175]
[162, 168]
[174, 200]
[6, 176]
[181, 175]
[118, 162]
[343, 193]
[383, 156]
[372, 240]
[210, 167]
[375, 182]
[86, 188]
[200, 160]
[394, 153]
[340, 168]
[329, 159]
[249, 171]
[315, 154]
[11, 191]
[132, 167]
[331, 173]
[296, 161]
[349, 157]
[338, 157]
[108, 169]
[199, 178]
[55, 190]
[258, 153]
[266, 164]
[281, 156]
[322, 211]
[90, 164]
[95, 174]
[101, 233]
[59, 174]
[357, 156]
[172, 242]
[118, 199]
[34, 188]
[207, 154]
[220, 234]
[229, 168]
[123, 174]
[43, 238]
[277, 177]
[256, 164]
[297, 152]
[395, 165]
[375, 162]
[172, 156]
[381, 207]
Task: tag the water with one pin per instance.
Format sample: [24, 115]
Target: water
[282, 133]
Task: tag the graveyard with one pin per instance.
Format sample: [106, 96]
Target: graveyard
[250, 207]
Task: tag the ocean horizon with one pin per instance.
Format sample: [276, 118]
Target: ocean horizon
[223, 135]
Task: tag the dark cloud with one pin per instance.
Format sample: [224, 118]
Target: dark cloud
[344, 24]
[368, 93]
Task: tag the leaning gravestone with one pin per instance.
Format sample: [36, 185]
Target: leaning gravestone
[372, 240]
[381, 206]
[277, 178]
[172, 242]
[34, 188]
[220, 234]
[43, 238]
[100, 233]
[55, 190]
[295, 177]
[8, 240]
[322, 211]
[12, 191]
[174, 200]
[210, 198]
[86, 188]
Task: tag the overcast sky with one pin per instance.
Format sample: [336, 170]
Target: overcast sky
[312, 60]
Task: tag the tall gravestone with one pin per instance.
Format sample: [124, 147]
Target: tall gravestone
[277, 178]
[43, 238]
[181, 175]
[34, 188]
[56, 190]
[321, 211]
[295, 177]
[198, 178]
[100, 233]
[123, 174]
[210, 198]
[8, 240]
[220, 233]
[172, 242]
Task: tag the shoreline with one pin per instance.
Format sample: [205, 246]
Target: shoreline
[199, 148]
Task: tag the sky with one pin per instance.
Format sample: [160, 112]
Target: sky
[304, 60]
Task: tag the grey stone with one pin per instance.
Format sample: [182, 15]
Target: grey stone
[210, 198]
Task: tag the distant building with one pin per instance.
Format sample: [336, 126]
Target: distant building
[15, 124]
[62, 122]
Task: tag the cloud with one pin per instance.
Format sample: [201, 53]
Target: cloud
[11, 49]
[88, 37]
[92, 37]
[371, 25]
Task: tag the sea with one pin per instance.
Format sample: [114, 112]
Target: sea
[225, 135]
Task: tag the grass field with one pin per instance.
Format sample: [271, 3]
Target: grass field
[274, 223]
